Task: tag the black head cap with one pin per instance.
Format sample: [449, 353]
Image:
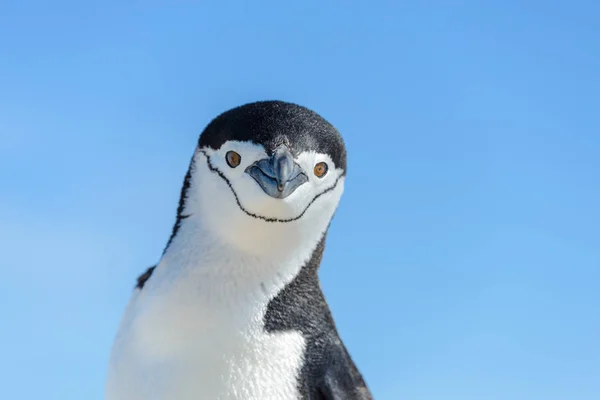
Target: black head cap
[273, 123]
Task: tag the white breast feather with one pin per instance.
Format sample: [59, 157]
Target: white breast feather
[181, 339]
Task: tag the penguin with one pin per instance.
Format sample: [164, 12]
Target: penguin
[234, 309]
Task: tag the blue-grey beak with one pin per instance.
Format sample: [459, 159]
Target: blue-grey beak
[279, 175]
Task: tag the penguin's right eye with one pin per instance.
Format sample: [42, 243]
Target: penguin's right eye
[233, 159]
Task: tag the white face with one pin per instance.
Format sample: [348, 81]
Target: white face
[244, 215]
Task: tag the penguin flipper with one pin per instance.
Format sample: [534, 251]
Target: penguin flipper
[342, 380]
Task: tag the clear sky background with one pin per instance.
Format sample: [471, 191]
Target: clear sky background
[464, 261]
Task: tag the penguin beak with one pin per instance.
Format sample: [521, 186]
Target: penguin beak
[279, 175]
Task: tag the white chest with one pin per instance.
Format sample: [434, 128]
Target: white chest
[181, 339]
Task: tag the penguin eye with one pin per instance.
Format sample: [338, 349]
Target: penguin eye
[233, 159]
[321, 169]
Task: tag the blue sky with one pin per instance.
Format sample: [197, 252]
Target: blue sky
[464, 261]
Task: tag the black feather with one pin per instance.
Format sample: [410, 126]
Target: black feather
[328, 372]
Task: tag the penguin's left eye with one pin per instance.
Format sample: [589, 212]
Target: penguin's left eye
[233, 159]
[321, 169]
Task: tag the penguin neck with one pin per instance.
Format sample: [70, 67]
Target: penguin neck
[216, 268]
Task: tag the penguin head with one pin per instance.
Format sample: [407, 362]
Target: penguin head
[266, 174]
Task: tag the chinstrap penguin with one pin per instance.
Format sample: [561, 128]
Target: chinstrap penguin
[234, 309]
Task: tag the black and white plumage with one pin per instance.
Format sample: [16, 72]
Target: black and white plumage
[234, 309]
